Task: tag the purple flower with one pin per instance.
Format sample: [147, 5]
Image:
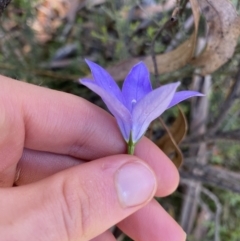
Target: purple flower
[137, 105]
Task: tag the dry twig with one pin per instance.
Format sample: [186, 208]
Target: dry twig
[218, 205]
[167, 24]
[211, 175]
[226, 106]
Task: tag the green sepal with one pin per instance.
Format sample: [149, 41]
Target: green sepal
[131, 145]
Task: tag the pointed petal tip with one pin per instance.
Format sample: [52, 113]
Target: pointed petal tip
[175, 84]
[178, 83]
[84, 81]
[143, 64]
[183, 95]
[93, 66]
[81, 81]
[140, 64]
[88, 61]
[192, 93]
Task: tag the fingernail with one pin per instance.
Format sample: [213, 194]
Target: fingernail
[135, 184]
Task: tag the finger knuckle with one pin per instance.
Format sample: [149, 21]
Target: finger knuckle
[75, 208]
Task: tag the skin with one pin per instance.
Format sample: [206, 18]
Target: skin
[59, 157]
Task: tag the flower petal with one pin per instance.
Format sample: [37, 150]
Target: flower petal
[104, 80]
[150, 107]
[119, 111]
[183, 95]
[136, 85]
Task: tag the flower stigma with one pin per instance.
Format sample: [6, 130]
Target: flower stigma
[133, 102]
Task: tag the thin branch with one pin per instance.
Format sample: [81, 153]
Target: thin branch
[226, 106]
[153, 54]
[218, 205]
[205, 215]
[167, 24]
[228, 136]
[211, 175]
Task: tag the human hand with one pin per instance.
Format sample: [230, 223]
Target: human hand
[45, 135]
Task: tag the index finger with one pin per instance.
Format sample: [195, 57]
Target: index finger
[59, 122]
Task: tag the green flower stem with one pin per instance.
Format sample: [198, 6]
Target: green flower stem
[131, 146]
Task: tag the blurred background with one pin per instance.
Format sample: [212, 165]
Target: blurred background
[196, 42]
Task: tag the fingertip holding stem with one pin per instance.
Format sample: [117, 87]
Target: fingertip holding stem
[135, 184]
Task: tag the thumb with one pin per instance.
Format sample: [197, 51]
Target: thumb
[79, 203]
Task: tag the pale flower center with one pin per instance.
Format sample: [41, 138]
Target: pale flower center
[133, 102]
